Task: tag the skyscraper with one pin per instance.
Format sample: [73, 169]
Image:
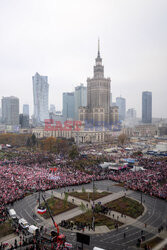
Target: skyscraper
[110, 99]
[52, 108]
[121, 103]
[80, 96]
[25, 109]
[68, 105]
[40, 94]
[98, 110]
[98, 92]
[10, 110]
[24, 121]
[131, 114]
[147, 107]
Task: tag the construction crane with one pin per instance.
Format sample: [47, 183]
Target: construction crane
[59, 240]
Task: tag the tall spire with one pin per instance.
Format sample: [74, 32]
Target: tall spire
[98, 48]
[98, 68]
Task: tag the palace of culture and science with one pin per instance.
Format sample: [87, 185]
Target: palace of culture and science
[98, 110]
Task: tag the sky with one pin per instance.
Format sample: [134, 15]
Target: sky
[59, 38]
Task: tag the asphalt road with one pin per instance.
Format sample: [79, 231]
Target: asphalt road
[155, 216]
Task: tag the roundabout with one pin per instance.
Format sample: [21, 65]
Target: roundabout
[123, 237]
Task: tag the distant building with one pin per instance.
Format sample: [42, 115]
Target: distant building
[26, 109]
[52, 108]
[80, 97]
[24, 121]
[98, 93]
[113, 104]
[68, 105]
[10, 110]
[131, 114]
[121, 103]
[110, 99]
[162, 129]
[147, 107]
[98, 109]
[145, 130]
[40, 94]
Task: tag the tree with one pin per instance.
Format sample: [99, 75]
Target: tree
[73, 153]
[94, 189]
[83, 189]
[28, 142]
[65, 199]
[82, 207]
[122, 139]
[33, 139]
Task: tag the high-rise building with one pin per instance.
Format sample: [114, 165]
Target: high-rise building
[24, 121]
[147, 107]
[40, 94]
[131, 114]
[26, 109]
[121, 103]
[98, 93]
[10, 110]
[68, 105]
[110, 99]
[52, 108]
[98, 110]
[80, 97]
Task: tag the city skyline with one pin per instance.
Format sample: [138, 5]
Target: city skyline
[133, 47]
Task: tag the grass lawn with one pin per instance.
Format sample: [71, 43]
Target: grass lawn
[92, 196]
[152, 243]
[100, 220]
[126, 206]
[57, 206]
[5, 229]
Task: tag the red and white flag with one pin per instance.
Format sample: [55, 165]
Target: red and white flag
[41, 210]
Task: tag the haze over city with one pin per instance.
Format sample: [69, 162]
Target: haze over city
[59, 39]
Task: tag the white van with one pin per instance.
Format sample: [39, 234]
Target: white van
[23, 223]
[97, 248]
[33, 229]
[12, 213]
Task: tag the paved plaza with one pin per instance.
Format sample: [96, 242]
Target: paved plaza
[153, 217]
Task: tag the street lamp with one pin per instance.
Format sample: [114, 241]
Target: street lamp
[141, 197]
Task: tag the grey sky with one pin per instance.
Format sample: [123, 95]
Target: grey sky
[58, 38]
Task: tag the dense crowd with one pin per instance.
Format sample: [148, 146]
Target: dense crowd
[151, 181]
[31, 172]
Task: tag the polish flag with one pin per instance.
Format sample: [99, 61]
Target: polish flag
[41, 210]
[68, 245]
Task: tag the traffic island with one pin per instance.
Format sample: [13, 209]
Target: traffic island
[86, 219]
[87, 196]
[57, 206]
[6, 228]
[151, 243]
[126, 206]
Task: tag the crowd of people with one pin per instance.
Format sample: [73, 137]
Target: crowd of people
[151, 181]
[31, 172]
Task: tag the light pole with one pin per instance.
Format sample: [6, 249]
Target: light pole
[141, 197]
[93, 221]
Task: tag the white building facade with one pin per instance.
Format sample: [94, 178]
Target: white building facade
[10, 110]
[80, 99]
[40, 95]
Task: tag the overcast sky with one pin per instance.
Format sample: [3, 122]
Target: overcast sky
[58, 38]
